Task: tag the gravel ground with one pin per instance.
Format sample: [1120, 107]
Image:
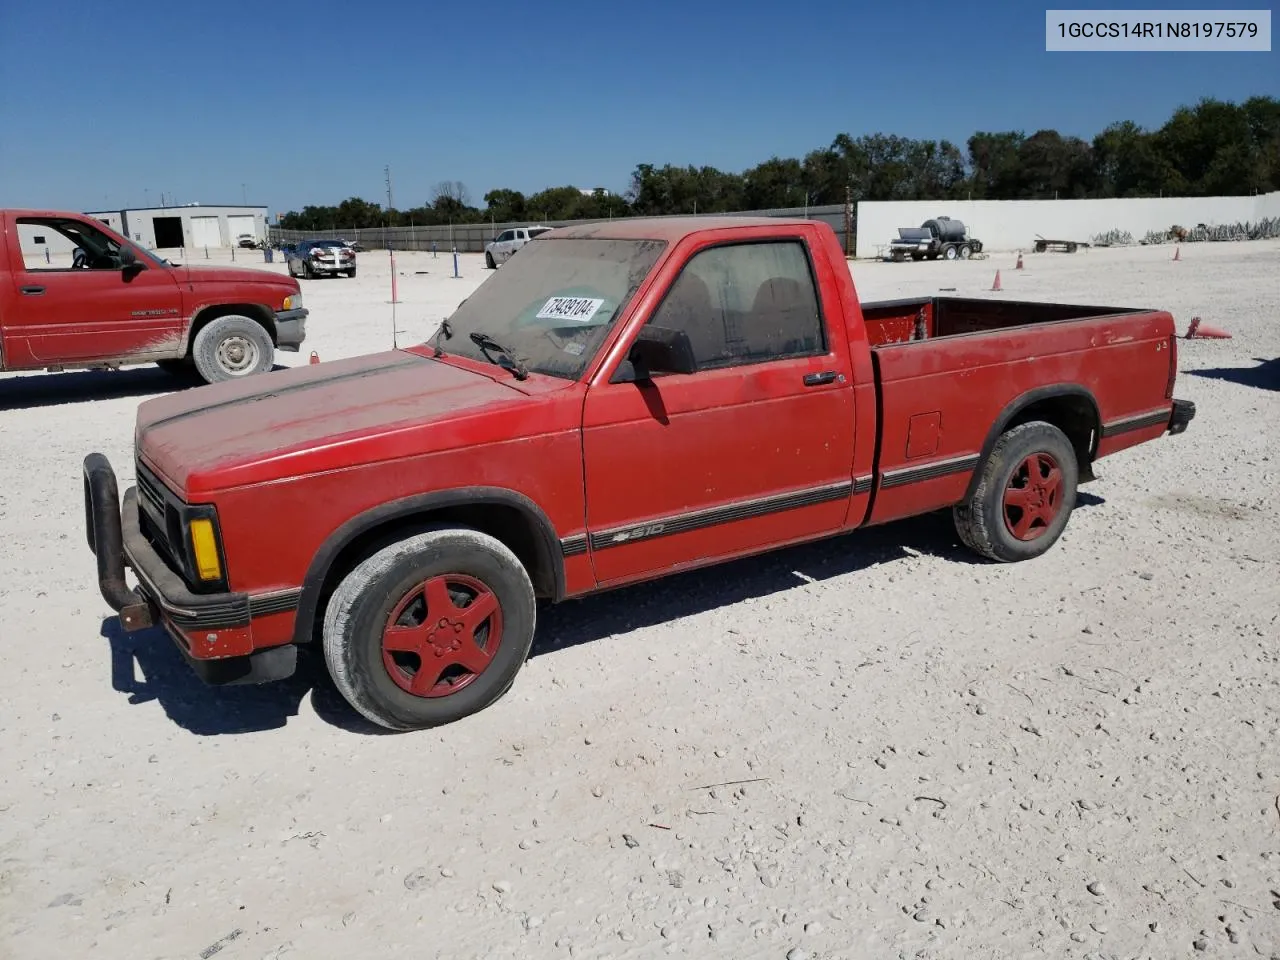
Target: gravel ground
[918, 755]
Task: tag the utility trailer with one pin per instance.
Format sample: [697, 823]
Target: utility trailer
[939, 237]
[1062, 246]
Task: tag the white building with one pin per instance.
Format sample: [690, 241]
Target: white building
[191, 226]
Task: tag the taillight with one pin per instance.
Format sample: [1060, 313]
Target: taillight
[1173, 366]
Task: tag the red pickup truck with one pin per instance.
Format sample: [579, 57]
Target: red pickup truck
[620, 402]
[103, 302]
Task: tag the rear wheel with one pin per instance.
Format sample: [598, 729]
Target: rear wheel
[949, 251]
[430, 629]
[1024, 496]
[965, 251]
[351, 272]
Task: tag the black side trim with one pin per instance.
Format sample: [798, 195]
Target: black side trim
[278, 391]
[1020, 403]
[546, 542]
[280, 602]
[745, 510]
[863, 484]
[1128, 424]
[574, 546]
[928, 471]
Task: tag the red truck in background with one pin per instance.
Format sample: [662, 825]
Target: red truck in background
[620, 402]
[111, 303]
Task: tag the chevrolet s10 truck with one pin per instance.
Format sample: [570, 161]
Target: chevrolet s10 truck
[110, 303]
[620, 402]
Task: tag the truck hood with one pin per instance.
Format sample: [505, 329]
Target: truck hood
[268, 426]
[201, 274]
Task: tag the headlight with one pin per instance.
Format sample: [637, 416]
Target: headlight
[292, 302]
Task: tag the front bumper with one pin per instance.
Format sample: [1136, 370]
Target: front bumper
[291, 328]
[1184, 411]
[200, 624]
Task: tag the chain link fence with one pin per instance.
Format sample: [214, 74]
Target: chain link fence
[472, 237]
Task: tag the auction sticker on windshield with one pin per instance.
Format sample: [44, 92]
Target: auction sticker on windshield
[581, 309]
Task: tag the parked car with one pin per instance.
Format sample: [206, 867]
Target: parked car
[119, 304]
[246, 240]
[504, 246]
[316, 258]
[622, 402]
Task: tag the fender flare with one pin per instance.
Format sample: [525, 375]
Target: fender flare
[1020, 403]
[547, 543]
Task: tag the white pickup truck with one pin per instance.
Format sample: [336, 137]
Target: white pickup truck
[504, 246]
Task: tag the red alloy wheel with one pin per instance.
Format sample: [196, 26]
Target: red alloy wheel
[1033, 497]
[442, 635]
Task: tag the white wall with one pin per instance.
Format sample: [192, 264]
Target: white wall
[1014, 224]
[142, 229]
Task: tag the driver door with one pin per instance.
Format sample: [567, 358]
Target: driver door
[99, 312]
[753, 450]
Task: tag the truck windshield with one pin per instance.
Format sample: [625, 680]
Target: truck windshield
[553, 304]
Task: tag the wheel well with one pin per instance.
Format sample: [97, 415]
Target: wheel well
[501, 521]
[1074, 415]
[254, 311]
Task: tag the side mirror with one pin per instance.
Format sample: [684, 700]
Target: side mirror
[129, 260]
[656, 350]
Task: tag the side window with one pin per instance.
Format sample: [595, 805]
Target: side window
[53, 244]
[504, 236]
[746, 303]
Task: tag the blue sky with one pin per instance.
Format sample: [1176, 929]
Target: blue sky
[304, 101]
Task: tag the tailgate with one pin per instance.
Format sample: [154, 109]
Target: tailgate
[942, 401]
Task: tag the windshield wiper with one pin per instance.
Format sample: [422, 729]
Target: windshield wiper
[487, 343]
[447, 330]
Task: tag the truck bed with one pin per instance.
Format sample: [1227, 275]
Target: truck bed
[951, 373]
[909, 320]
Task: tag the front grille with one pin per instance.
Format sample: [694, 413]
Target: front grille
[158, 513]
[149, 490]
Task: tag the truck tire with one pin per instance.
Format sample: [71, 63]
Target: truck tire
[399, 641]
[965, 251]
[949, 252]
[1024, 496]
[231, 347]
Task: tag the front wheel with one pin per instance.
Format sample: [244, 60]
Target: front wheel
[232, 347]
[430, 629]
[488, 261]
[1024, 496]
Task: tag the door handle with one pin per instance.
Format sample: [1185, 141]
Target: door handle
[818, 379]
[33, 291]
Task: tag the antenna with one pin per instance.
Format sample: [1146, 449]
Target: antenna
[391, 250]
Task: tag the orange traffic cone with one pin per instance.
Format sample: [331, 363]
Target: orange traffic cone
[996, 285]
[315, 357]
[1177, 253]
[1199, 331]
[1018, 266]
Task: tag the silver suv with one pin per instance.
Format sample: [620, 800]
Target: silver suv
[503, 247]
